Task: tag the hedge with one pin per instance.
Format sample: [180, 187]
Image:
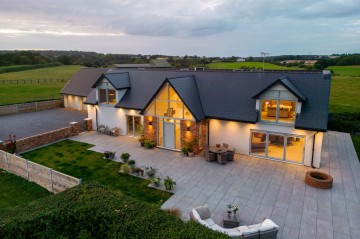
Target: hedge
[28, 67]
[92, 211]
[345, 122]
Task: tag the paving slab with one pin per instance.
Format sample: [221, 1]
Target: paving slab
[262, 188]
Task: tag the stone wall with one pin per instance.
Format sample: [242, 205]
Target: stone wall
[150, 131]
[52, 136]
[30, 107]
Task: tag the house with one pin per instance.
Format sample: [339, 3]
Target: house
[274, 115]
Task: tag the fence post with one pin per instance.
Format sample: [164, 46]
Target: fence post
[51, 180]
[27, 169]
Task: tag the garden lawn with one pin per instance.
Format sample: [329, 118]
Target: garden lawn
[345, 70]
[73, 158]
[15, 190]
[238, 65]
[344, 95]
[356, 141]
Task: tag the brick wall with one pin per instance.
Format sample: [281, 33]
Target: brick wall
[150, 131]
[50, 137]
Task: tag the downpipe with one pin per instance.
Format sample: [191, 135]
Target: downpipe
[313, 148]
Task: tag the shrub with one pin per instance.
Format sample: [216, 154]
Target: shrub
[174, 211]
[125, 169]
[169, 183]
[344, 122]
[92, 211]
[149, 144]
[150, 171]
[125, 157]
[132, 163]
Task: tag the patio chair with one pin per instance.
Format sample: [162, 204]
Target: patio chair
[225, 145]
[101, 129]
[222, 158]
[210, 157]
[230, 155]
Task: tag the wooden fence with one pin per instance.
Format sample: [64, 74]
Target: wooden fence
[30, 81]
[30, 107]
[48, 178]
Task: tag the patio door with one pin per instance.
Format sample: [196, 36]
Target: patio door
[133, 125]
[169, 135]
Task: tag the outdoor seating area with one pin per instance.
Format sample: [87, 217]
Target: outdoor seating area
[103, 129]
[264, 230]
[219, 153]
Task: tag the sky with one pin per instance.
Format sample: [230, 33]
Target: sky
[183, 27]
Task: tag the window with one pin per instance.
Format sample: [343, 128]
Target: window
[168, 104]
[278, 107]
[107, 96]
[278, 146]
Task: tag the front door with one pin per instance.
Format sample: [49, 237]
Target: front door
[169, 135]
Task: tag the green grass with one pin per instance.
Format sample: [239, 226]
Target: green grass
[345, 70]
[15, 190]
[344, 95]
[238, 65]
[13, 93]
[73, 158]
[56, 72]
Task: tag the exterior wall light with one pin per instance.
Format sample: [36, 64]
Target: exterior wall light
[150, 122]
[188, 128]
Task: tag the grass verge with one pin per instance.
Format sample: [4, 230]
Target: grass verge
[356, 142]
[73, 158]
[15, 190]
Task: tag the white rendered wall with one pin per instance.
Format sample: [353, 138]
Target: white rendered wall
[74, 102]
[237, 135]
[111, 117]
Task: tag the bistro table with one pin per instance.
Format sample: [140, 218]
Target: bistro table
[217, 150]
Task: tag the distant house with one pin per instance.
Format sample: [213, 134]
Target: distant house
[154, 63]
[273, 115]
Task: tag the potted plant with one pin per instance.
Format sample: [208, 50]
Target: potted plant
[125, 169]
[10, 144]
[132, 163]
[185, 151]
[150, 172]
[142, 140]
[136, 171]
[169, 183]
[141, 172]
[149, 144]
[109, 154]
[125, 157]
[156, 181]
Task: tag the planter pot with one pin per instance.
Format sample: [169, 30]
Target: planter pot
[191, 154]
[156, 184]
[141, 174]
[142, 144]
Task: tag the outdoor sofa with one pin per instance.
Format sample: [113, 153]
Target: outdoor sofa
[264, 230]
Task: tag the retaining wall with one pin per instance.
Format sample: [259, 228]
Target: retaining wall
[48, 178]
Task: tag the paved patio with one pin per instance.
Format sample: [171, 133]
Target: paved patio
[262, 188]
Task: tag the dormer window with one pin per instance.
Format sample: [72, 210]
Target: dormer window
[107, 96]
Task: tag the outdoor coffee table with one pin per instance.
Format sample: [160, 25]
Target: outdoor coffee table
[217, 150]
[231, 220]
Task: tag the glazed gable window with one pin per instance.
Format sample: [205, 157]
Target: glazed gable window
[107, 96]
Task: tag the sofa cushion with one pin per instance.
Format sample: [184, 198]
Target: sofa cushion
[204, 212]
[266, 228]
[250, 231]
[268, 222]
[209, 221]
[195, 215]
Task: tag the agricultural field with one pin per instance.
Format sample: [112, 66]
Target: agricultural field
[20, 93]
[345, 88]
[238, 65]
[353, 71]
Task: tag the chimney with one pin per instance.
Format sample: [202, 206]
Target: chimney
[326, 74]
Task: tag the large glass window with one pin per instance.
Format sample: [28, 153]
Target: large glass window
[168, 104]
[278, 111]
[278, 106]
[134, 125]
[278, 146]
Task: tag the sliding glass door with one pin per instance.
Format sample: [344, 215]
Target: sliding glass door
[133, 125]
[278, 146]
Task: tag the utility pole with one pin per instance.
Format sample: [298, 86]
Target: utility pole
[264, 54]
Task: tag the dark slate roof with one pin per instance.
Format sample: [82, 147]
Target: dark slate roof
[91, 98]
[118, 80]
[229, 95]
[80, 84]
[132, 65]
[284, 81]
[187, 90]
[159, 63]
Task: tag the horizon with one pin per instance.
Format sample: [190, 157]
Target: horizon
[197, 27]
